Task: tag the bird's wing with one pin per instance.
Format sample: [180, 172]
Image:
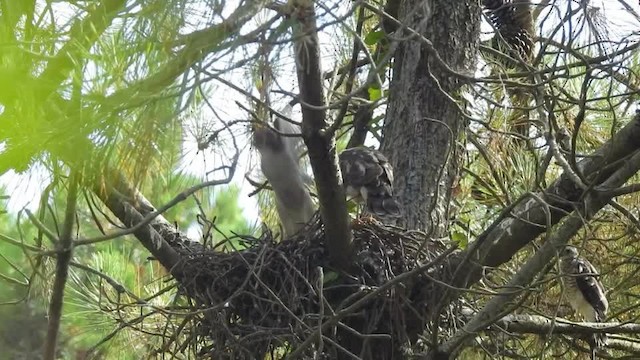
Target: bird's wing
[294, 144]
[590, 287]
[368, 172]
[388, 170]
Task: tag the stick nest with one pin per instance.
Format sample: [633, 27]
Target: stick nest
[272, 297]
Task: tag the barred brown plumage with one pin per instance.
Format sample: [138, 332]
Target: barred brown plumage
[514, 22]
[583, 291]
[368, 178]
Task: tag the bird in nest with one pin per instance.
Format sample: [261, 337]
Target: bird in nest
[368, 179]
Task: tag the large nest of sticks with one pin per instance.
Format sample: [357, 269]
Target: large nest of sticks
[273, 297]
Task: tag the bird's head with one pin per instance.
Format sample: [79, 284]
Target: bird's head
[569, 252]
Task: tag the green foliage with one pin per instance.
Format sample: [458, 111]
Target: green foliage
[94, 113]
[375, 93]
[94, 307]
[373, 37]
[133, 101]
[228, 214]
[22, 319]
[2, 208]
[460, 238]
[164, 187]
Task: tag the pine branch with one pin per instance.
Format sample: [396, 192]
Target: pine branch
[536, 324]
[321, 145]
[519, 283]
[127, 210]
[141, 218]
[65, 249]
[197, 46]
[83, 36]
[528, 217]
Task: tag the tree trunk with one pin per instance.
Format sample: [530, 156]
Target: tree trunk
[424, 124]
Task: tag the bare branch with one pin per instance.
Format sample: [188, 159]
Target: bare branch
[519, 225]
[151, 215]
[65, 249]
[322, 148]
[365, 299]
[131, 207]
[497, 306]
[536, 324]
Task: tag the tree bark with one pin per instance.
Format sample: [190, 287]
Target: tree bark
[321, 142]
[423, 124]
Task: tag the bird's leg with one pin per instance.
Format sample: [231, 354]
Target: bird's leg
[365, 216]
[361, 215]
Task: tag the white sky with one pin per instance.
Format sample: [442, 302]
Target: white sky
[26, 188]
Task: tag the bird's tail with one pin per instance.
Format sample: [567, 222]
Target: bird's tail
[601, 338]
[598, 340]
[383, 205]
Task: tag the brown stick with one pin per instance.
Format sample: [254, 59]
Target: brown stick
[322, 148]
[65, 249]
